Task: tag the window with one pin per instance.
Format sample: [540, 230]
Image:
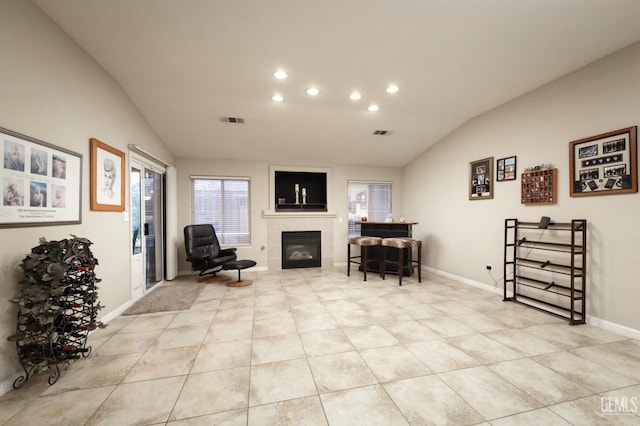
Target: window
[224, 203]
[367, 199]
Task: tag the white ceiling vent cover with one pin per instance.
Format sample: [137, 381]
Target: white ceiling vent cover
[232, 120]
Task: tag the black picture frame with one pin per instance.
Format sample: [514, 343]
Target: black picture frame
[506, 168]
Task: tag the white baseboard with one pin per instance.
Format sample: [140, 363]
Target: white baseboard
[595, 321]
[6, 385]
[116, 312]
[613, 327]
[472, 283]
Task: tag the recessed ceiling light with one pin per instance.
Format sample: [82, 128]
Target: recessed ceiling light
[280, 74]
[313, 91]
[277, 98]
[373, 108]
[354, 96]
[392, 88]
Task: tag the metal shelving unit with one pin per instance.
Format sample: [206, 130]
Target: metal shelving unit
[545, 267]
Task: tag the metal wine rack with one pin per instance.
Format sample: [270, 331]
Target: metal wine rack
[57, 307]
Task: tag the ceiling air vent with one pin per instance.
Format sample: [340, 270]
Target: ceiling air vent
[232, 120]
[381, 132]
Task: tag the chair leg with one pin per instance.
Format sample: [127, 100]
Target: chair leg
[400, 266]
[383, 262]
[419, 264]
[365, 261]
[348, 260]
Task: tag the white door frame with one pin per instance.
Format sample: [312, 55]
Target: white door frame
[135, 215]
[138, 260]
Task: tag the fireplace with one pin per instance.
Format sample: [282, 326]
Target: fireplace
[301, 249]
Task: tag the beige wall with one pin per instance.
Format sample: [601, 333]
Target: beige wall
[343, 174]
[258, 172]
[463, 236]
[51, 90]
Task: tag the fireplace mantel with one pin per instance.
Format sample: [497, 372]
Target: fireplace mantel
[267, 214]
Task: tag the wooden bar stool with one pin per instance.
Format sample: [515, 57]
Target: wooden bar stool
[362, 259]
[401, 244]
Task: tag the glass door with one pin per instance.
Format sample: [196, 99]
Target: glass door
[153, 226]
[147, 226]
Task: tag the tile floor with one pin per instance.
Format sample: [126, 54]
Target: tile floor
[316, 347]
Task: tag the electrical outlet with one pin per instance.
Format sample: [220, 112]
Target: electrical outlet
[488, 267]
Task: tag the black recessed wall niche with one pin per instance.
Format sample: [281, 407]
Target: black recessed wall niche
[313, 184]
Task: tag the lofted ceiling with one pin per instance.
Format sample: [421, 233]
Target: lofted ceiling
[187, 63]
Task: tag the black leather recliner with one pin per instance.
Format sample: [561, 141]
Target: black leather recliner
[203, 249]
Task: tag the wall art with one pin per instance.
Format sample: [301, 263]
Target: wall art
[604, 164]
[506, 169]
[41, 182]
[107, 177]
[481, 179]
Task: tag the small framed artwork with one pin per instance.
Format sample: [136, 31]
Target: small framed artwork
[41, 182]
[107, 177]
[604, 164]
[481, 179]
[506, 169]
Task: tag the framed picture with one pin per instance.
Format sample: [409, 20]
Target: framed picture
[604, 164]
[107, 177]
[41, 182]
[506, 169]
[481, 179]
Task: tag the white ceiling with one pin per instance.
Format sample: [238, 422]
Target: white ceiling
[186, 63]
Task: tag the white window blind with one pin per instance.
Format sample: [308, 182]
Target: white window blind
[224, 203]
[367, 199]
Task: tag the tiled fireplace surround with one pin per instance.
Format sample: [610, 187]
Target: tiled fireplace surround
[275, 226]
[278, 222]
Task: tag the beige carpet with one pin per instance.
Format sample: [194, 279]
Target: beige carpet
[167, 297]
